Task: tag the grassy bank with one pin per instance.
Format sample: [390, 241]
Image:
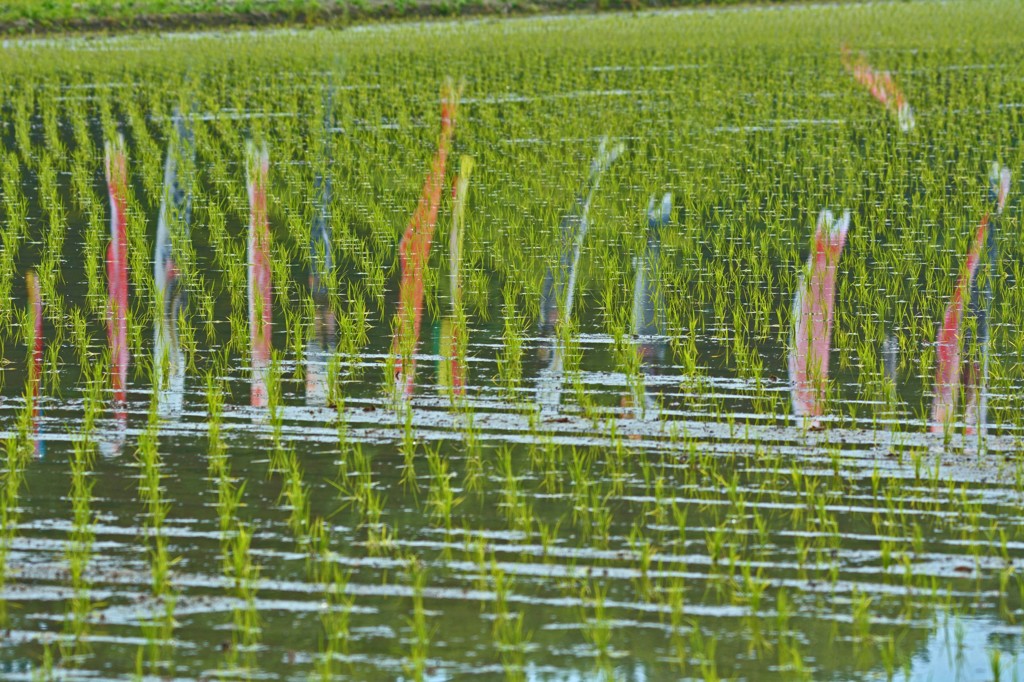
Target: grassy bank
[21, 17]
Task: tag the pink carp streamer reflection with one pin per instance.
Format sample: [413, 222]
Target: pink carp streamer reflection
[257, 166]
[453, 330]
[414, 250]
[953, 339]
[116, 167]
[882, 87]
[811, 338]
[35, 346]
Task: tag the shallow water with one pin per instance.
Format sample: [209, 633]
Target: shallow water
[634, 485]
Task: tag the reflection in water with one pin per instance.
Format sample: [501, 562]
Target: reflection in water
[811, 336]
[972, 340]
[559, 283]
[35, 346]
[890, 358]
[414, 250]
[116, 170]
[648, 306]
[172, 228]
[889, 351]
[257, 167]
[964, 647]
[452, 370]
[323, 336]
[883, 88]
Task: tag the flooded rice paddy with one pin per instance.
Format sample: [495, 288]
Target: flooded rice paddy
[677, 345]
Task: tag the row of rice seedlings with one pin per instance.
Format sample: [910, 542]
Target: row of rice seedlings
[15, 229]
[23, 105]
[85, 201]
[510, 638]
[75, 645]
[19, 447]
[415, 663]
[236, 566]
[181, 193]
[244, 574]
[158, 627]
[337, 606]
[322, 358]
[312, 534]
